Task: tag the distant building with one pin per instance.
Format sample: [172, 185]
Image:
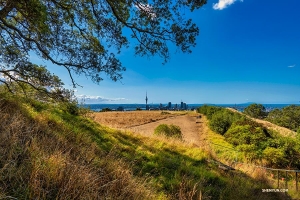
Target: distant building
[169, 105]
[181, 105]
[184, 106]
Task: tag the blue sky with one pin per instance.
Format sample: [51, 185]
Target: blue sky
[247, 51]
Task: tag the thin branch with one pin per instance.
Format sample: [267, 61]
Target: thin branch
[39, 46]
[129, 25]
[7, 86]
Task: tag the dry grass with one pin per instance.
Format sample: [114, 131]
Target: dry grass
[37, 162]
[131, 118]
[50, 154]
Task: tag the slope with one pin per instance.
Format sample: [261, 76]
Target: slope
[48, 153]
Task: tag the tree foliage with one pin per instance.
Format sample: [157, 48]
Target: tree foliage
[35, 82]
[253, 139]
[288, 117]
[208, 110]
[85, 36]
[220, 118]
[256, 111]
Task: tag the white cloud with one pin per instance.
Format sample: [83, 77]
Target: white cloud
[97, 99]
[291, 66]
[222, 4]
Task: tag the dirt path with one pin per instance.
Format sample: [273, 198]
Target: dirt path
[191, 127]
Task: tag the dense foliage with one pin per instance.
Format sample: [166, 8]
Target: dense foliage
[256, 111]
[220, 118]
[85, 36]
[255, 141]
[288, 117]
[38, 83]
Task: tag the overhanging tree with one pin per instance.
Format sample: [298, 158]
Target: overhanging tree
[82, 36]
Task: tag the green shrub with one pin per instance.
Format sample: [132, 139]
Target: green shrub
[245, 134]
[250, 151]
[256, 111]
[69, 107]
[209, 111]
[254, 140]
[106, 110]
[274, 156]
[168, 130]
[288, 117]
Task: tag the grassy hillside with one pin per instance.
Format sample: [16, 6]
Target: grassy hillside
[48, 153]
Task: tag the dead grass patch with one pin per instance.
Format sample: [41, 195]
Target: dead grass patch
[130, 119]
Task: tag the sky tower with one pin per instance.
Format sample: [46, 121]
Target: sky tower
[146, 102]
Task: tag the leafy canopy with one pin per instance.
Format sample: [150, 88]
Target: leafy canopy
[256, 111]
[85, 36]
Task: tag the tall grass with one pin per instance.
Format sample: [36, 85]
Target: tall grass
[40, 158]
[48, 153]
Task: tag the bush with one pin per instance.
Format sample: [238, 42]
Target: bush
[246, 134]
[168, 131]
[275, 157]
[256, 111]
[288, 117]
[72, 108]
[106, 110]
[209, 111]
[250, 151]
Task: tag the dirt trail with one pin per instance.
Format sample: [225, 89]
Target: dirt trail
[191, 127]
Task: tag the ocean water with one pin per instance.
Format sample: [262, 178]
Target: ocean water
[131, 107]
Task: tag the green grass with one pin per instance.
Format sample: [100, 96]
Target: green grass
[48, 153]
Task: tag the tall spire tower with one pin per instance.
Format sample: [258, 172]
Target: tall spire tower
[146, 101]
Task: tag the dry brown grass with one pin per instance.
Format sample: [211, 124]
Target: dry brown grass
[38, 162]
[131, 118]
